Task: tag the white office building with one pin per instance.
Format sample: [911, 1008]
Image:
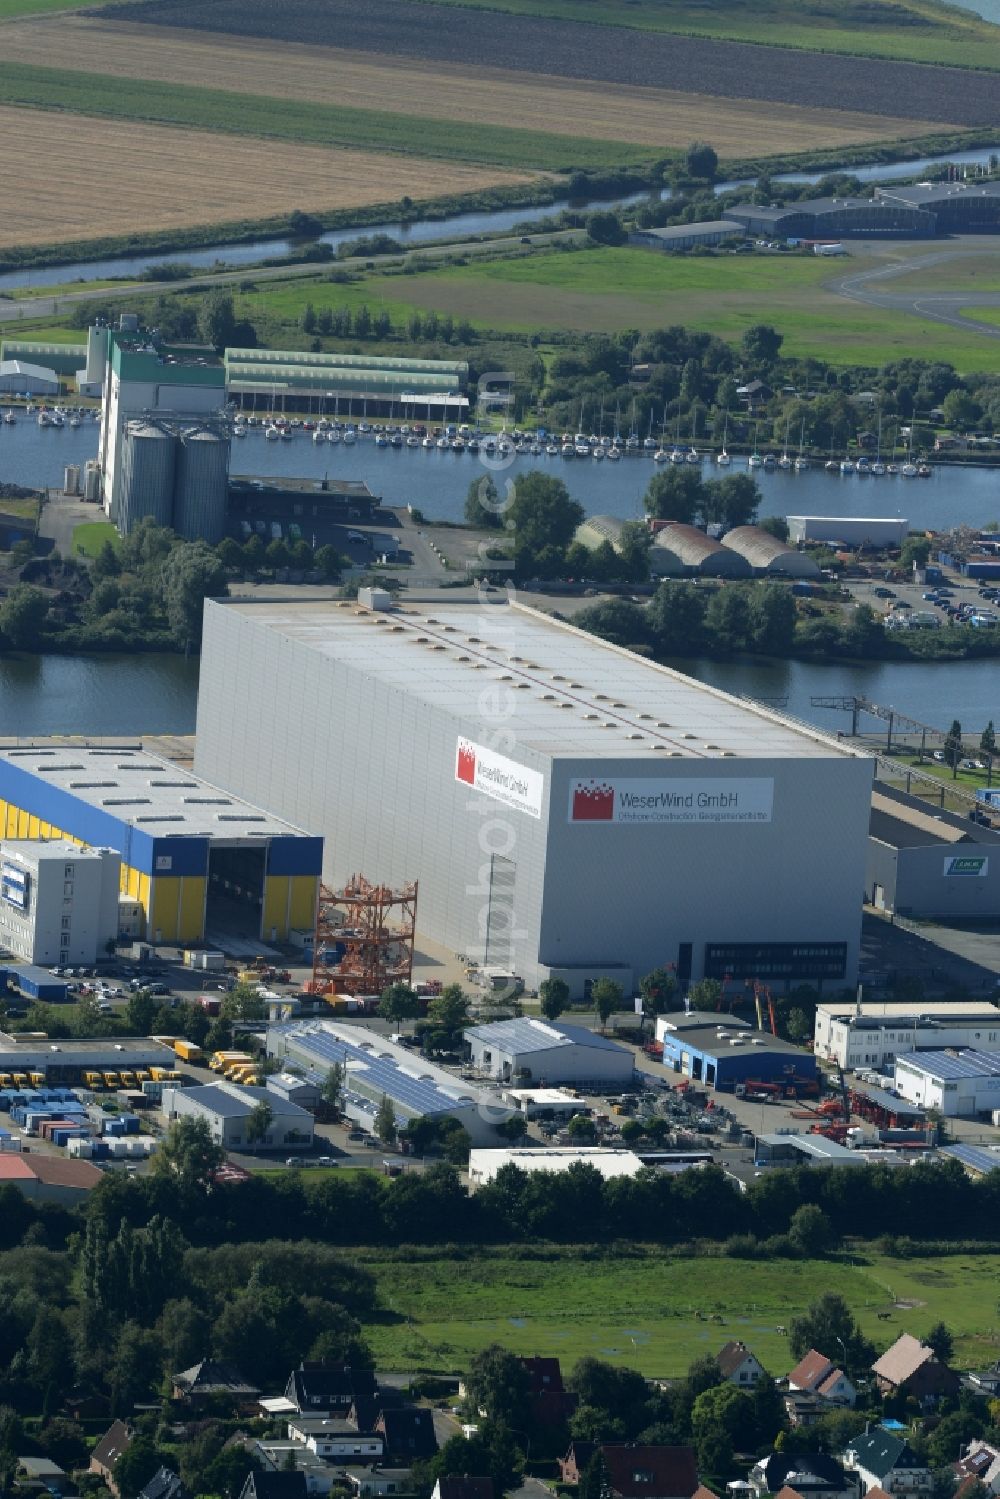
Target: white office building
[569, 808]
[484, 1164]
[58, 901]
[872, 1034]
[959, 1084]
[228, 1108]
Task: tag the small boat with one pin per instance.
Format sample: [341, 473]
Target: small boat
[909, 470]
[863, 466]
[442, 443]
[9, 418]
[801, 462]
[272, 434]
[784, 462]
[552, 449]
[692, 456]
[349, 436]
[286, 434]
[44, 420]
[535, 450]
[892, 468]
[333, 435]
[74, 420]
[319, 436]
[396, 441]
[597, 452]
[832, 466]
[412, 442]
[924, 471]
[846, 466]
[770, 461]
[473, 445]
[614, 455]
[723, 459]
[568, 450]
[581, 449]
[381, 441]
[878, 469]
[661, 456]
[755, 461]
[457, 445]
[239, 430]
[428, 442]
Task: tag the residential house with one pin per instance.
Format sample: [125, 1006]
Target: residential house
[880, 1459]
[164, 1484]
[322, 1389]
[109, 1449]
[212, 1379]
[336, 1439]
[551, 1402]
[802, 1407]
[275, 1454]
[408, 1432]
[812, 1475]
[818, 1375]
[738, 1365]
[464, 1488]
[909, 1367]
[376, 1483]
[281, 1485]
[979, 1464]
[638, 1470]
[987, 1381]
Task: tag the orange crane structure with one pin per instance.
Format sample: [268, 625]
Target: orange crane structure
[374, 925]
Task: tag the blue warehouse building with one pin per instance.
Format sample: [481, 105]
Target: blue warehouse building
[195, 858]
[721, 1052]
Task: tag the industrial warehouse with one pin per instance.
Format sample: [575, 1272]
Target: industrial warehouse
[195, 858]
[568, 808]
[376, 1068]
[548, 1052]
[727, 1054]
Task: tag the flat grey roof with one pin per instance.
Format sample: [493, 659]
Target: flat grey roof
[529, 1034]
[684, 231]
[706, 1039]
[579, 697]
[977, 1157]
[147, 792]
[814, 1145]
[230, 1101]
[927, 1009]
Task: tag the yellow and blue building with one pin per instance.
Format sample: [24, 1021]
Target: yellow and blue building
[197, 859]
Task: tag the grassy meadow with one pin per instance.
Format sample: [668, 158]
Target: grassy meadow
[640, 1306]
[89, 538]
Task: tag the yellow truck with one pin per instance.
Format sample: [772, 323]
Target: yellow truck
[37, 1079]
[93, 1080]
[110, 1079]
[20, 1080]
[220, 1060]
[141, 1076]
[6, 1080]
[187, 1051]
[127, 1079]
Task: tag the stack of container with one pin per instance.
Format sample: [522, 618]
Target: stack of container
[115, 1125]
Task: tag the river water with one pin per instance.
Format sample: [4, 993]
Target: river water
[437, 481]
[412, 235]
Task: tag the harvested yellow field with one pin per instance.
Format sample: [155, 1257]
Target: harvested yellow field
[493, 96]
[65, 176]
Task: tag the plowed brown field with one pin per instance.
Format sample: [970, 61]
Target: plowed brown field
[64, 177]
[644, 116]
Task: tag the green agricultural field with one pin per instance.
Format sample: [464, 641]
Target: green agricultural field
[10, 9]
[606, 290]
[657, 1313]
[89, 538]
[982, 314]
[917, 29]
[107, 97]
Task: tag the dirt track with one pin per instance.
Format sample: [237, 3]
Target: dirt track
[659, 118]
[728, 70]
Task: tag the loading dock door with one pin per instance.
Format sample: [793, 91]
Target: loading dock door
[500, 917]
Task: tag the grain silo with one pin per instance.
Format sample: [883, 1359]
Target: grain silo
[201, 485]
[147, 475]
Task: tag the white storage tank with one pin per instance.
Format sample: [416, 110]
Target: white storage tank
[92, 481]
[147, 475]
[201, 485]
[71, 478]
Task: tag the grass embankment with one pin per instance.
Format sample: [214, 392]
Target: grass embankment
[155, 102]
[919, 30]
[26, 509]
[645, 1308]
[89, 538]
[605, 290]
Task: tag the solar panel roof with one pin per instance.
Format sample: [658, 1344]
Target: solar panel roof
[954, 1064]
[977, 1157]
[416, 1086]
[527, 1034]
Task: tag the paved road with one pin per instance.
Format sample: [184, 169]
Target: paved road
[37, 307]
[940, 307]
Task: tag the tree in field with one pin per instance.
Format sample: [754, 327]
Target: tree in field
[941, 1341]
[727, 618]
[399, 1003]
[23, 617]
[676, 618]
[259, 1121]
[607, 996]
[582, 1128]
[107, 563]
[191, 574]
[774, 525]
[189, 1154]
[988, 740]
[732, 501]
[541, 517]
[448, 1012]
[701, 161]
[772, 619]
[827, 1324]
[809, 1230]
[136, 1466]
[385, 1121]
[217, 322]
[914, 552]
[676, 494]
[706, 994]
[954, 749]
[659, 992]
[761, 344]
[605, 228]
[332, 1090]
[482, 504]
[553, 997]
[498, 1383]
[328, 561]
[230, 554]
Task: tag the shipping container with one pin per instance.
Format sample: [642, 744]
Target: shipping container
[188, 1052]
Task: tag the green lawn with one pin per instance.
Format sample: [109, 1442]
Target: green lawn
[24, 509]
[917, 29]
[983, 314]
[89, 538]
[107, 97]
[641, 1307]
[605, 290]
